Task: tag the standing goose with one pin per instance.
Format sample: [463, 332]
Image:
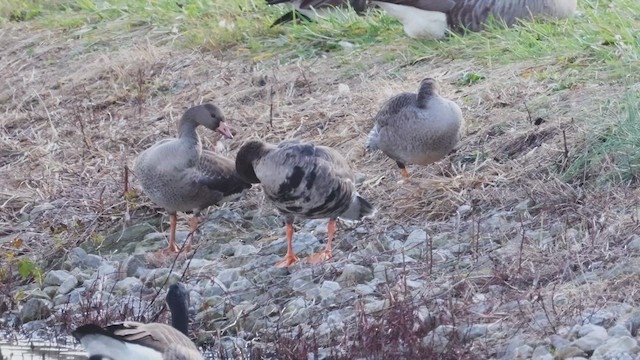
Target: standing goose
[417, 128]
[310, 9]
[133, 340]
[178, 175]
[305, 180]
[429, 19]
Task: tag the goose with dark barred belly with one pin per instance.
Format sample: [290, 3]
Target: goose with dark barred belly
[303, 179]
[311, 9]
[179, 175]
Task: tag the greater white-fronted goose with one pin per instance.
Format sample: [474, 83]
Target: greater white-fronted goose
[417, 128]
[178, 175]
[310, 9]
[429, 19]
[133, 340]
[306, 180]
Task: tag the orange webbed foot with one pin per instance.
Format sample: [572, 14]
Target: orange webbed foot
[319, 257]
[287, 261]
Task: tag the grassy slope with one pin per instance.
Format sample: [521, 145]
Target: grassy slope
[579, 75]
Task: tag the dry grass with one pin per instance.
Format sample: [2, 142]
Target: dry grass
[75, 114]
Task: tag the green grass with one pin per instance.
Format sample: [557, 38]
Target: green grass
[611, 154]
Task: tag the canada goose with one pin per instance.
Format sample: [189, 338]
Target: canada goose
[417, 128]
[303, 179]
[310, 9]
[430, 19]
[178, 175]
[133, 340]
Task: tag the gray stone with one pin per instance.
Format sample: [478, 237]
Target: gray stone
[304, 244]
[592, 336]
[376, 306]
[76, 257]
[618, 330]
[242, 290]
[513, 347]
[384, 271]
[634, 243]
[354, 274]
[438, 338]
[416, 244]
[126, 286]
[92, 261]
[134, 265]
[364, 289]
[35, 309]
[459, 249]
[468, 333]
[570, 351]
[295, 312]
[633, 323]
[228, 276]
[622, 344]
[57, 277]
[245, 250]
[68, 285]
[541, 352]
[50, 292]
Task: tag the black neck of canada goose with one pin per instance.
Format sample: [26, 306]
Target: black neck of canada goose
[248, 153]
[428, 88]
[178, 302]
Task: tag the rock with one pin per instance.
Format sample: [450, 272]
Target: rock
[558, 342]
[75, 257]
[126, 286]
[68, 285]
[592, 336]
[245, 250]
[354, 274]
[295, 312]
[634, 243]
[92, 261]
[304, 244]
[376, 306]
[633, 323]
[35, 309]
[618, 330]
[463, 210]
[228, 276]
[438, 338]
[242, 290]
[57, 277]
[384, 271]
[622, 344]
[468, 333]
[570, 351]
[134, 265]
[541, 352]
[416, 244]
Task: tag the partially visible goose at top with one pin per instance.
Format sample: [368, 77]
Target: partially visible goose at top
[134, 340]
[429, 19]
[178, 175]
[417, 128]
[310, 9]
[303, 179]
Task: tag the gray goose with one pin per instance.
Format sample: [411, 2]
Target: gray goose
[417, 128]
[178, 175]
[134, 340]
[303, 179]
[429, 19]
[309, 9]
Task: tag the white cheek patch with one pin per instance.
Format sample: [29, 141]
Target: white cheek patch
[419, 24]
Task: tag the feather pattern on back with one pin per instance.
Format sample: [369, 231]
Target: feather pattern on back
[305, 179]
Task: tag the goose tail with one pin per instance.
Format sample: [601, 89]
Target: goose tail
[358, 209]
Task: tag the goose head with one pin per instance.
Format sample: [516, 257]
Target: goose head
[178, 302]
[248, 153]
[211, 117]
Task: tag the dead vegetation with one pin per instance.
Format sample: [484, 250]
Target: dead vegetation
[75, 115]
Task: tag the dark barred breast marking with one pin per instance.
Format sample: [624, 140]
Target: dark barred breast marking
[292, 182]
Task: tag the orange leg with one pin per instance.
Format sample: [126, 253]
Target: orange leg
[291, 257]
[193, 226]
[404, 172]
[326, 253]
[172, 248]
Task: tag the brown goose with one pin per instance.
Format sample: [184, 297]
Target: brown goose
[133, 340]
[310, 9]
[305, 180]
[178, 175]
[417, 128]
[429, 19]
